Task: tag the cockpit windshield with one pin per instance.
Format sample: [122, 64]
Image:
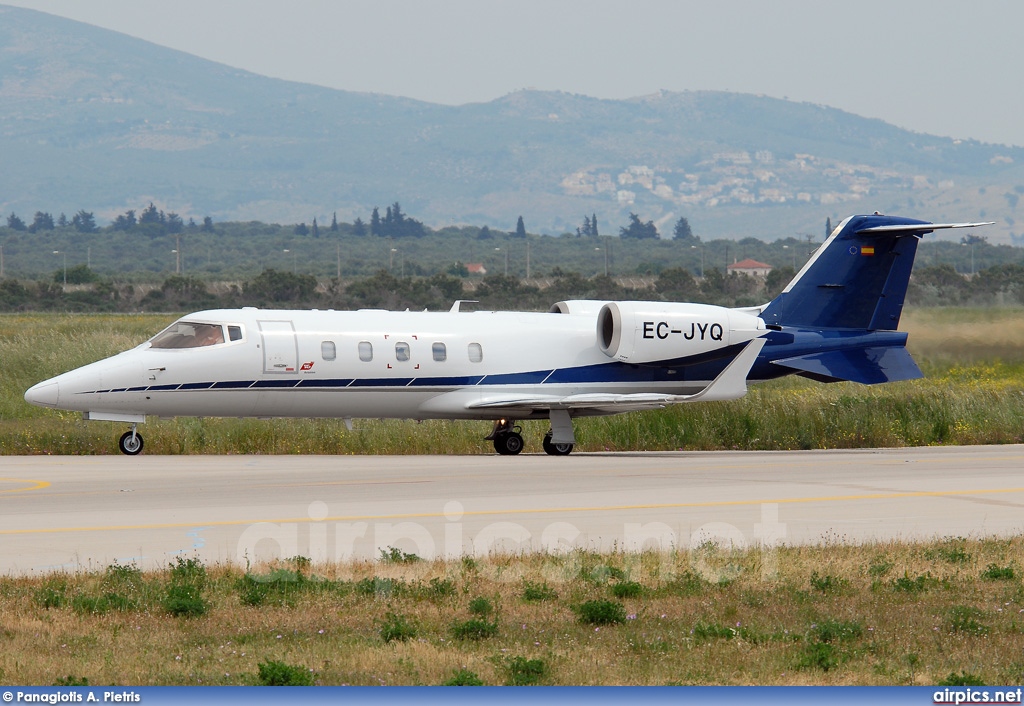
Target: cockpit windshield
[188, 334]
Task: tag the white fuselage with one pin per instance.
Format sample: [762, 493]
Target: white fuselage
[370, 363]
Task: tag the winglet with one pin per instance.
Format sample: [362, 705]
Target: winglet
[731, 383]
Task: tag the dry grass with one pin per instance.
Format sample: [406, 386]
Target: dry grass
[835, 614]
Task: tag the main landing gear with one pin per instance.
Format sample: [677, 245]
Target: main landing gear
[130, 442]
[508, 440]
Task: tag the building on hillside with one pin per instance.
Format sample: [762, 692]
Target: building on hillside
[476, 268]
[749, 267]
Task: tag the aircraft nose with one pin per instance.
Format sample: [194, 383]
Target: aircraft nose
[45, 394]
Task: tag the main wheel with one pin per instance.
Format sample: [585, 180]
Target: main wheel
[508, 443]
[130, 444]
[556, 449]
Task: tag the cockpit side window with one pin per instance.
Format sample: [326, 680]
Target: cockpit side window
[187, 334]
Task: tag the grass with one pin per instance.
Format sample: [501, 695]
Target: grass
[957, 624]
[973, 393]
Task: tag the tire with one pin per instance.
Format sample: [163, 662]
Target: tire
[508, 444]
[127, 446]
[556, 449]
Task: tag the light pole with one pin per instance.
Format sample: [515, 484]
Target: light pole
[391, 260]
[506, 257]
[1, 261]
[61, 252]
[786, 247]
[694, 247]
[605, 259]
[294, 266]
[972, 257]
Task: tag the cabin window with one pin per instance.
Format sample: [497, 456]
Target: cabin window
[365, 351]
[476, 353]
[328, 351]
[185, 334]
[402, 351]
[440, 352]
[234, 333]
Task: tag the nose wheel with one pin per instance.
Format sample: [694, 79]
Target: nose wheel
[130, 442]
[553, 449]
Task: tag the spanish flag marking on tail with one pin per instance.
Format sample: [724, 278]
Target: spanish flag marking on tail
[867, 249]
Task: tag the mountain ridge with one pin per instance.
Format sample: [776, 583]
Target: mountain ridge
[95, 119]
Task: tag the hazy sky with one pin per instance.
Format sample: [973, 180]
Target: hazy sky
[935, 66]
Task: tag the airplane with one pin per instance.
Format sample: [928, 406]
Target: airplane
[836, 320]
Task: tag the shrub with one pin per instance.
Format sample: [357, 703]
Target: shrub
[70, 680]
[918, 584]
[396, 627]
[837, 631]
[538, 592]
[481, 607]
[463, 677]
[274, 673]
[380, 588]
[525, 672]
[994, 572]
[818, 655]
[394, 555]
[961, 679]
[185, 601]
[964, 619]
[712, 631]
[474, 629]
[602, 612]
[627, 589]
[828, 583]
[441, 588]
[53, 594]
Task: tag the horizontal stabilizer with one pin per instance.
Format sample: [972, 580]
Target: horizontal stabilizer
[868, 366]
[921, 227]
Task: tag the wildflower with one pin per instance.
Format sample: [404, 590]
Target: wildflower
[631, 616]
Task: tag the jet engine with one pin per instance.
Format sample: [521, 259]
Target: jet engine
[648, 332]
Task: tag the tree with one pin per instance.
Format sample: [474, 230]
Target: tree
[150, 214]
[15, 223]
[334, 222]
[41, 221]
[593, 226]
[125, 221]
[316, 229]
[302, 229]
[639, 230]
[375, 222]
[174, 223]
[682, 231]
[484, 234]
[84, 222]
[520, 228]
[358, 227]
[828, 227]
[207, 225]
[62, 221]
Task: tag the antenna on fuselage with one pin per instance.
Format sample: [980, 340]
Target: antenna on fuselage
[459, 302]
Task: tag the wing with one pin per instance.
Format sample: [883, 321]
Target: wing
[730, 384]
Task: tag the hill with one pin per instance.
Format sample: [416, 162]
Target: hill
[94, 119]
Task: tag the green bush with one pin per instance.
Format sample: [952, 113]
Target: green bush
[185, 601]
[538, 592]
[525, 672]
[965, 619]
[274, 673]
[474, 629]
[396, 627]
[70, 680]
[463, 677]
[394, 555]
[481, 607]
[380, 588]
[627, 589]
[712, 631]
[961, 679]
[602, 612]
[818, 655]
[53, 594]
[837, 631]
[994, 572]
[828, 583]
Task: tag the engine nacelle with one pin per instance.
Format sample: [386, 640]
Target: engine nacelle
[648, 332]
